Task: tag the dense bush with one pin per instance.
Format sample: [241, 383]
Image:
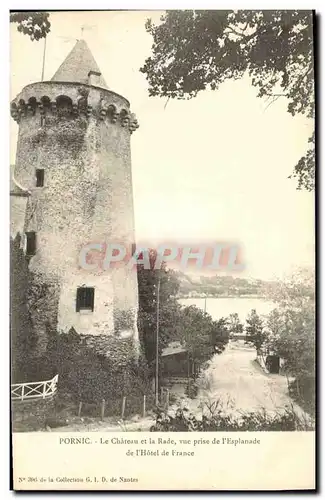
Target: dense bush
[23, 339]
[184, 421]
[192, 389]
[304, 392]
[90, 377]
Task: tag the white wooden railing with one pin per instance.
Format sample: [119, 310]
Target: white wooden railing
[34, 390]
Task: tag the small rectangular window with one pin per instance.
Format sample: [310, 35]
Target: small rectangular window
[39, 177]
[85, 299]
[30, 243]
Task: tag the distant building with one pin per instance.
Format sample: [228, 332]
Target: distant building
[176, 363]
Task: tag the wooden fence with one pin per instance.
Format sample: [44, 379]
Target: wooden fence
[34, 390]
[100, 408]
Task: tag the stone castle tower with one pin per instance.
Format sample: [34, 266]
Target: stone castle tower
[72, 185]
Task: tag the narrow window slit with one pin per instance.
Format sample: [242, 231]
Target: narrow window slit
[39, 177]
[30, 243]
[85, 299]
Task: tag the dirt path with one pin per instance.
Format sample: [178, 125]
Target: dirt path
[237, 380]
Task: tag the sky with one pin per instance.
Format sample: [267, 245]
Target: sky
[214, 168]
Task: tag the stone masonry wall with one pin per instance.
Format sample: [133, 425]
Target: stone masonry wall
[80, 136]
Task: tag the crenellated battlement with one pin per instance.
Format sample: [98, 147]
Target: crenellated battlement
[67, 100]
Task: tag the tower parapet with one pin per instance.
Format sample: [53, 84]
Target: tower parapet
[44, 100]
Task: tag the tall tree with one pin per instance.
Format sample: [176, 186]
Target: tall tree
[220, 335]
[234, 324]
[255, 333]
[197, 50]
[202, 336]
[34, 24]
[194, 328]
[274, 329]
[292, 329]
[169, 309]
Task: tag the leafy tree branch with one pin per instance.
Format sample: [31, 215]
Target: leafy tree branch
[198, 50]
